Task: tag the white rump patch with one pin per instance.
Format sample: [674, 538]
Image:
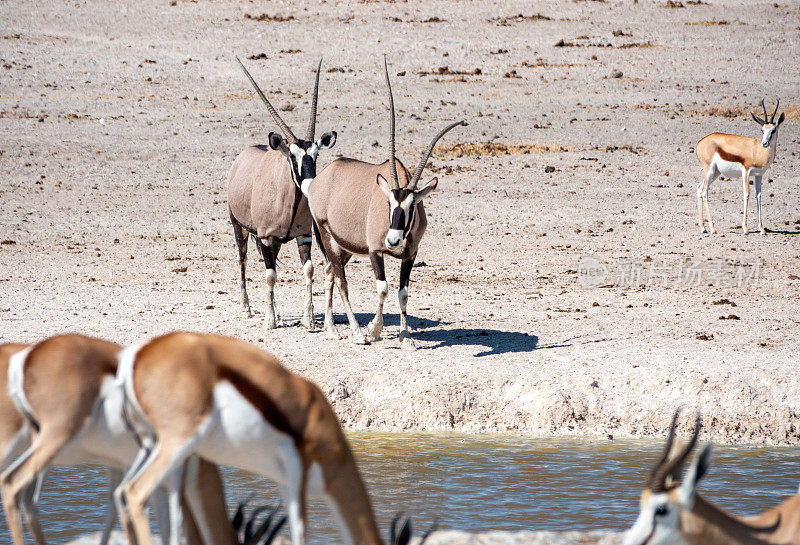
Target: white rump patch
[16, 376]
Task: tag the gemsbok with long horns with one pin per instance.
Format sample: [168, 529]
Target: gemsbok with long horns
[376, 210]
[671, 510]
[265, 200]
[66, 407]
[740, 157]
[234, 404]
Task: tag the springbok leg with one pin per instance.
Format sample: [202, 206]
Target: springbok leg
[758, 204]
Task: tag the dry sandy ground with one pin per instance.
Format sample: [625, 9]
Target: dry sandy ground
[119, 122]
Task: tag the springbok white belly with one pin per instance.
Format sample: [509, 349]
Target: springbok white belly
[729, 169]
[240, 436]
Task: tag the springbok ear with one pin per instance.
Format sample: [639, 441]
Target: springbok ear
[697, 470]
[757, 120]
[327, 141]
[402, 535]
[277, 142]
[427, 188]
[384, 185]
[781, 118]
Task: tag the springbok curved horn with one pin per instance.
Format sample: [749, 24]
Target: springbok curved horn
[775, 112]
[651, 481]
[313, 123]
[766, 116]
[660, 473]
[427, 155]
[392, 159]
[284, 127]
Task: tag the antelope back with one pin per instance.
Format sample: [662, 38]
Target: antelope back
[262, 196]
[346, 201]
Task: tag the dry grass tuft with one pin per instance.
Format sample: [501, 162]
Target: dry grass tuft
[519, 18]
[495, 149]
[708, 23]
[792, 111]
[270, 18]
[447, 71]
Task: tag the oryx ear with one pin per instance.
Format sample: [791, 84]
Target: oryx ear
[277, 142]
[327, 140]
[696, 471]
[757, 120]
[384, 185]
[781, 118]
[427, 188]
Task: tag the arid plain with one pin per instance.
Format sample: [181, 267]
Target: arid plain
[562, 287]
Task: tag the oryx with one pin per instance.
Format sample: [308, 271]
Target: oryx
[376, 210]
[265, 200]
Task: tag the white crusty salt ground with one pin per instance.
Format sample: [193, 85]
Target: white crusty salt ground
[103, 218]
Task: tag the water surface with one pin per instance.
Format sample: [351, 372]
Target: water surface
[477, 482]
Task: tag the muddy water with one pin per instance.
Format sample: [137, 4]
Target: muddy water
[479, 483]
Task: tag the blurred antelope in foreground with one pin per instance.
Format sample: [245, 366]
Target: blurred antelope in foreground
[671, 511]
[376, 210]
[265, 200]
[734, 156]
[231, 403]
[66, 408]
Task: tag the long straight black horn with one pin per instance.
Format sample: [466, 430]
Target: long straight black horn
[392, 159]
[427, 155]
[775, 112]
[312, 125]
[284, 127]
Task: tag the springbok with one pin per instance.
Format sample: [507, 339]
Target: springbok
[64, 394]
[265, 200]
[671, 511]
[376, 210]
[734, 156]
[231, 403]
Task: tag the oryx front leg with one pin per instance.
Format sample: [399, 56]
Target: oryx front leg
[330, 328]
[241, 246]
[376, 325]
[304, 248]
[338, 263]
[758, 204]
[269, 251]
[402, 296]
[746, 199]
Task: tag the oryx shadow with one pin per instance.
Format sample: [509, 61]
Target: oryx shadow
[494, 341]
[363, 318]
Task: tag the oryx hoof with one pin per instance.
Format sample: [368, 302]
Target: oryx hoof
[406, 341]
[703, 231]
[247, 312]
[763, 231]
[374, 330]
[307, 321]
[713, 231]
[270, 322]
[745, 231]
[332, 333]
[359, 338]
